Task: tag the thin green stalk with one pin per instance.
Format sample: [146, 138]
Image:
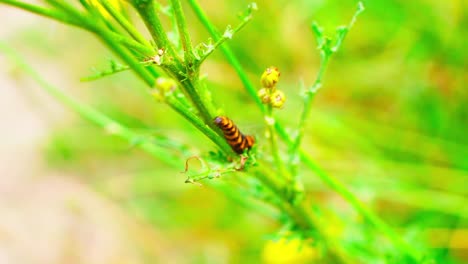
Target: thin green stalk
[327, 49]
[105, 35]
[344, 192]
[175, 104]
[299, 213]
[88, 112]
[229, 54]
[98, 16]
[132, 44]
[372, 218]
[122, 20]
[278, 161]
[308, 99]
[71, 11]
[232, 59]
[59, 16]
[126, 56]
[183, 33]
[147, 11]
[227, 35]
[200, 103]
[190, 83]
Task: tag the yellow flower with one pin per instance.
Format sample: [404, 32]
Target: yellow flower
[277, 99]
[264, 95]
[270, 77]
[163, 87]
[289, 251]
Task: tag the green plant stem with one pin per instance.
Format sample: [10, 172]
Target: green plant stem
[59, 16]
[89, 113]
[344, 192]
[153, 23]
[147, 11]
[98, 16]
[278, 161]
[175, 104]
[223, 38]
[128, 57]
[132, 44]
[122, 20]
[372, 218]
[251, 89]
[229, 54]
[70, 10]
[184, 34]
[105, 35]
[202, 105]
[105, 73]
[299, 214]
[190, 84]
[308, 99]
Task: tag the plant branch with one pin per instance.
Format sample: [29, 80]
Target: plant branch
[147, 11]
[56, 15]
[327, 49]
[175, 104]
[124, 23]
[232, 59]
[278, 161]
[183, 32]
[228, 34]
[308, 98]
[305, 220]
[132, 44]
[370, 216]
[127, 57]
[347, 195]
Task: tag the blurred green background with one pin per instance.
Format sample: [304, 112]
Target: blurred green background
[391, 122]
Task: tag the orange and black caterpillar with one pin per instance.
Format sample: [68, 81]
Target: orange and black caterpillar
[238, 141]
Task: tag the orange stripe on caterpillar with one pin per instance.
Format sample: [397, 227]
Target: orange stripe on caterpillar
[238, 141]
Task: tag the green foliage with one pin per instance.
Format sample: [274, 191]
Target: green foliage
[280, 177]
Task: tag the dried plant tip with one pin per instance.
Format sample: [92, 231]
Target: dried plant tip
[264, 95]
[156, 59]
[270, 77]
[277, 99]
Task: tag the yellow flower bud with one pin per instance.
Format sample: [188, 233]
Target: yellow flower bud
[165, 84]
[277, 99]
[290, 250]
[163, 87]
[264, 95]
[270, 77]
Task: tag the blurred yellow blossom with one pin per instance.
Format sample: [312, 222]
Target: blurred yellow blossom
[289, 251]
